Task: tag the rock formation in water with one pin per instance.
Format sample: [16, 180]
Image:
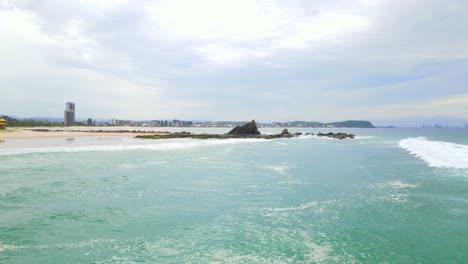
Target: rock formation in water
[285, 133]
[336, 135]
[248, 129]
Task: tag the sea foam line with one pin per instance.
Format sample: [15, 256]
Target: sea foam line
[292, 208]
[437, 154]
[173, 144]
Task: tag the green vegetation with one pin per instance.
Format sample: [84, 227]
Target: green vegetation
[13, 122]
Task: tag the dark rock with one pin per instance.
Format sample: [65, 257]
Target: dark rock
[247, 129]
[285, 134]
[336, 136]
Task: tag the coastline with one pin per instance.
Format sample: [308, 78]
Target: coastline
[58, 132]
[25, 133]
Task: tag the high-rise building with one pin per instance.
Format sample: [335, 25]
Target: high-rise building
[69, 116]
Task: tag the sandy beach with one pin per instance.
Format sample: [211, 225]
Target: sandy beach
[61, 132]
[96, 131]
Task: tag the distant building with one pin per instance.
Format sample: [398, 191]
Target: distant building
[69, 115]
[117, 122]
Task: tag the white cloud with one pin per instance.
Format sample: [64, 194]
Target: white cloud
[224, 54]
[101, 4]
[322, 27]
[22, 25]
[214, 19]
[184, 56]
[226, 31]
[445, 106]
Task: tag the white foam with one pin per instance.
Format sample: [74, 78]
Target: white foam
[166, 145]
[281, 143]
[401, 185]
[313, 137]
[437, 154]
[81, 244]
[293, 208]
[317, 253]
[231, 256]
[143, 164]
[280, 168]
[5, 247]
[364, 137]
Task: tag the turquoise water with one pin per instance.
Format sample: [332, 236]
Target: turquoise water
[389, 196]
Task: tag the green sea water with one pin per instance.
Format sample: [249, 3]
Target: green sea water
[389, 196]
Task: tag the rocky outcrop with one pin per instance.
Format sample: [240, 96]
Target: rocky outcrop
[285, 133]
[226, 136]
[248, 129]
[336, 135]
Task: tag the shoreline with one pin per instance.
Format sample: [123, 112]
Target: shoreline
[29, 133]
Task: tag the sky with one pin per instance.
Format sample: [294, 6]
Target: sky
[383, 61]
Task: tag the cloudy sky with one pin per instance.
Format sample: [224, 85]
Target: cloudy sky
[235, 60]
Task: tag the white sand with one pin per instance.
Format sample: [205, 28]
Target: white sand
[26, 133]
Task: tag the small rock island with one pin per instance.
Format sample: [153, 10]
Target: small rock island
[248, 130]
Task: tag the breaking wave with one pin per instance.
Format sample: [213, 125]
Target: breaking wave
[173, 144]
[437, 154]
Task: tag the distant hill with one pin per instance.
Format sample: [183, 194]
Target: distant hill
[353, 123]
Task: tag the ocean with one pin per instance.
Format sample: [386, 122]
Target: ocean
[388, 196]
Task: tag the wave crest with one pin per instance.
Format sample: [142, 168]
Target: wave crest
[437, 154]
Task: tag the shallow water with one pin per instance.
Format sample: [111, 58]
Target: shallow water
[389, 196]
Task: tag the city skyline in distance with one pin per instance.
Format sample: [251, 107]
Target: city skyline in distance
[408, 122]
